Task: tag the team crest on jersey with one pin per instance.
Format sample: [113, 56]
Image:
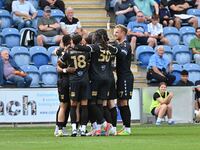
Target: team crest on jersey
[80, 73]
[103, 67]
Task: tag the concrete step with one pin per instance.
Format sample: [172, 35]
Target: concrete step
[90, 13]
[93, 19]
[86, 6]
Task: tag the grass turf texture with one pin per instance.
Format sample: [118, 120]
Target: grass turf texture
[144, 137]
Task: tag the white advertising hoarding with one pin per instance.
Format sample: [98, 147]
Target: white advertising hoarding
[28, 105]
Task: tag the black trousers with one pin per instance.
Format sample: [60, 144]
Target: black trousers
[169, 78]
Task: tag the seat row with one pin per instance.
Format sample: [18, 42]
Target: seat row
[181, 36]
[44, 76]
[7, 21]
[193, 70]
[36, 55]
[180, 54]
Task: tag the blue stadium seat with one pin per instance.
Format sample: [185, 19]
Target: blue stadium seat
[39, 15]
[177, 72]
[21, 55]
[143, 54]
[32, 29]
[48, 75]
[187, 33]
[3, 47]
[195, 12]
[168, 52]
[53, 58]
[194, 71]
[6, 19]
[172, 34]
[57, 14]
[39, 56]
[182, 55]
[11, 37]
[33, 72]
[1, 39]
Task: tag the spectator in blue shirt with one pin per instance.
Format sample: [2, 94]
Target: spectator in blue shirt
[160, 68]
[10, 71]
[138, 32]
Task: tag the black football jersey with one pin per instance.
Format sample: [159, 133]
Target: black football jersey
[123, 60]
[78, 60]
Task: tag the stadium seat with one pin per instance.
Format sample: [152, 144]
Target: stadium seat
[194, 71]
[177, 72]
[182, 55]
[143, 54]
[39, 56]
[168, 52]
[32, 29]
[33, 72]
[57, 14]
[195, 12]
[11, 37]
[2, 48]
[21, 55]
[6, 19]
[1, 39]
[39, 15]
[48, 75]
[187, 33]
[172, 34]
[53, 58]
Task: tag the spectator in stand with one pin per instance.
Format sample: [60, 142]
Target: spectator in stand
[161, 104]
[70, 24]
[8, 5]
[178, 9]
[138, 32]
[195, 46]
[125, 11]
[165, 16]
[160, 68]
[146, 7]
[156, 31]
[10, 71]
[54, 4]
[48, 29]
[184, 79]
[197, 101]
[23, 13]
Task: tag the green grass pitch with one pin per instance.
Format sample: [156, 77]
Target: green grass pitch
[144, 137]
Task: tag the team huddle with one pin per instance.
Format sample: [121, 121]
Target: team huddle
[86, 84]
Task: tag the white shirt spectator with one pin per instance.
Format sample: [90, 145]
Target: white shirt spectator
[155, 29]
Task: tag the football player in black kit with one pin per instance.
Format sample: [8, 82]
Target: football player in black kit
[79, 83]
[124, 78]
[100, 73]
[63, 88]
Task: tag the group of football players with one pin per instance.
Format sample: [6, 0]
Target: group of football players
[87, 87]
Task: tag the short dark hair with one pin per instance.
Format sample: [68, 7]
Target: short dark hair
[184, 73]
[197, 28]
[76, 38]
[66, 40]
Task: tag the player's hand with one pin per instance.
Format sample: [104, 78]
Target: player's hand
[70, 69]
